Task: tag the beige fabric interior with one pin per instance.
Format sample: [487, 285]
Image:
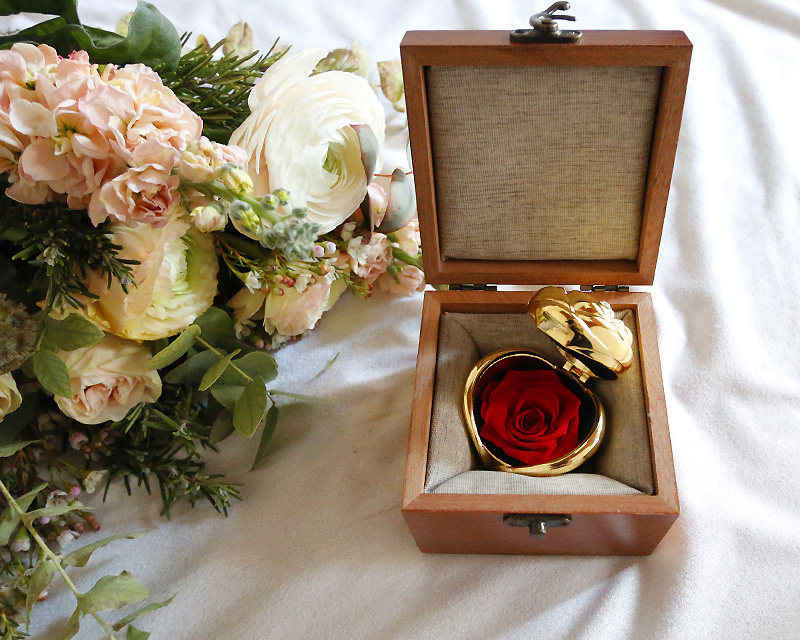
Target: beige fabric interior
[621, 467]
[541, 163]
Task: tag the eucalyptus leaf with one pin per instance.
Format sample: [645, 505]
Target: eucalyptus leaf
[73, 625]
[80, 557]
[176, 349]
[136, 634]
[113, 592]
[73, 332]
[216, 370]
[9, 450]
[222, 427]
[51, 371]
[42, 576]
[10, 518]
[192, 371]
[217, 325]
[144, 610]
[250, 407]
[227, 394]
[58, 510]
[300, 396]
[270, 423]
[253, 364]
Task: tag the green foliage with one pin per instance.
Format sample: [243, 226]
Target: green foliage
[42, 576]
[151, 39]
[51, 371]
[250, 407]
[73, 332]
[61, 248]
[144, 610]
[176, 348]
[216, 89]
[80, 557]
[216, 370]
[270, 422]
[113, 592]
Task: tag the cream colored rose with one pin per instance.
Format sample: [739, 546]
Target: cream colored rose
[299, 136]
[108, 380]
[176, 281]
[10, 397]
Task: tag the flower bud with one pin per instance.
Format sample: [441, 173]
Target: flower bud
[236, 179]
[21, 541]
[208, 218]
[282, 195]
[245, 219]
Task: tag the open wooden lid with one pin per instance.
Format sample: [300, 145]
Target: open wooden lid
[543, 163]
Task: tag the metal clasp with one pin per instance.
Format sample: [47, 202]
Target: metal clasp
[545, 27]
[537, 523]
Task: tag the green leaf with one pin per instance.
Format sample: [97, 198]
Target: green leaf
[250, 408]
[113, 592]
[300, 396]
[51, 371]
[80, 557]
[136, 634]
[266, 436]
[73, 625]
[217, 325]
[10, 518]
[227, 394]
[192, 371]
[176, 349]
[144, 610]
[253, 364]
[64, 8]
[73, 332]
[9, 450]
[58, 510]
[216, 370]
[222, 427]
[42, 576]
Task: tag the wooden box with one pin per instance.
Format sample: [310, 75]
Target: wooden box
[539, 164]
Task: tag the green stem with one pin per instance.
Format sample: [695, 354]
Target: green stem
[222, 355]
[414, 261]
[50, 555]
[214, 188]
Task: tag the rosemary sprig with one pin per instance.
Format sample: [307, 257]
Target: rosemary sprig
[217, 89]
[63, 246]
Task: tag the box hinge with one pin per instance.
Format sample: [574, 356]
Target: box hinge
[605, 287]
[472, 287]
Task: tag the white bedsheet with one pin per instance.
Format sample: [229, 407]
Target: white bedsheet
[318, 548]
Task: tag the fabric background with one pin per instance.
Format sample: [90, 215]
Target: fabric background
[318, 548]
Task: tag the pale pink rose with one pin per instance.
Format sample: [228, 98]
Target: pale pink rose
[146, 194]
[108, 380]
[377, 203]
[409, 280]
[369, 260]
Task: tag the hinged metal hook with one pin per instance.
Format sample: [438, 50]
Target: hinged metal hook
[545, 27]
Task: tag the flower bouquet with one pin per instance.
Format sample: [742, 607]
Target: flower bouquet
[169, 215]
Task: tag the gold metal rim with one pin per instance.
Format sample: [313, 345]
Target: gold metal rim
[585, 450]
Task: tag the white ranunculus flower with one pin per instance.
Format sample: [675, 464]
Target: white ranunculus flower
[299, 137]
[10, 397]
[176, 281]
[108, 380]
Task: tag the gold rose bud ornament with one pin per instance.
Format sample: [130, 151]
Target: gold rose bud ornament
[525, 415]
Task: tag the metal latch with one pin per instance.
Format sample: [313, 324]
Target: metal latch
[537, 523]
[605, 287]
[546, 29]
[472, 287]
